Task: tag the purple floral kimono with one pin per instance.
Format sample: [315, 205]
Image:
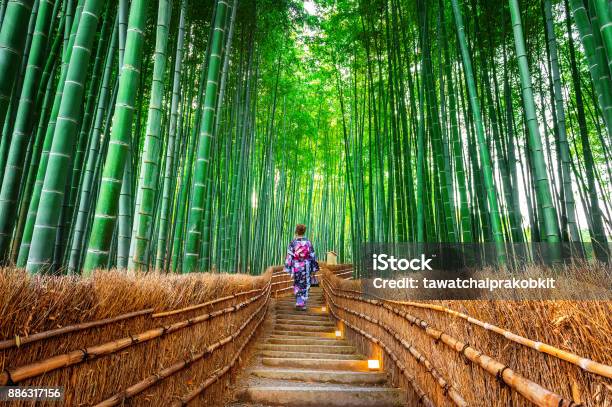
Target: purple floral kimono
[301, 262]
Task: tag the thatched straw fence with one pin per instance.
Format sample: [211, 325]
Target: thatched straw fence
[482, 353]
[116, 337]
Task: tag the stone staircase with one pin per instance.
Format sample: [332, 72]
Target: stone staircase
[302, 363]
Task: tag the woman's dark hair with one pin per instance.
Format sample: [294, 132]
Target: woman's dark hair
[300, 229]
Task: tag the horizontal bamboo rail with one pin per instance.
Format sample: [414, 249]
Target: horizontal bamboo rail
[532, 391]
[219, 372]
[283, 289]
[15, 375]
[205, 304]
[19, 341]
[282, 282]
[585, 364]
[423, 398]
[281, 273]
[289, 281]
[444, 384]
[141, 386]
[344, 272]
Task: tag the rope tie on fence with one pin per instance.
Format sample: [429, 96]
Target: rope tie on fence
[9, 380]
[445, 388]
[465, 358]
[500, 378]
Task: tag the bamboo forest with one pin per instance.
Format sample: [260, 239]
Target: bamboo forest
[193, 135]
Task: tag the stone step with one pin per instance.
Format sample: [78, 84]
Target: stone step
[331, 327]
[358, 365]
[278, 332]
[323, 396]
[308, 355]
[323, 376]
[303, 315]
[299, 329]
[298, 340]
[309, 348]
[291, 300]
[293, 309]
[299, 321]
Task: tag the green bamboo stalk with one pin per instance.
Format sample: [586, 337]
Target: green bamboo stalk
[12, 43]
[599, 74]
[23, 127]
[542, 185]
[565, 157]
[194, 227]
[604, 13]
[162, 236]
[483, 149]
[597, 231]
[106, 209]
[84, 201]
[54, 184]
[146, 193]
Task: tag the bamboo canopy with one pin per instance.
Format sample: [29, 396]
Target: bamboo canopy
[156, 135]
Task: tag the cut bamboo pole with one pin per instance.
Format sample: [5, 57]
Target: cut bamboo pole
[530, 390]
[139, 387]
[218, 373]
[585, 364]
[444, 384]
[423, 398]
[19, 341]
[38, 368]
[205, 304]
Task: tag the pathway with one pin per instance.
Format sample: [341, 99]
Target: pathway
[301, 363]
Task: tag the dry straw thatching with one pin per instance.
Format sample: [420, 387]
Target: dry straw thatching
[583, 328]
[221, 331]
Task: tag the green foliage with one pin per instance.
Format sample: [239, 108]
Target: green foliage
[381, 120]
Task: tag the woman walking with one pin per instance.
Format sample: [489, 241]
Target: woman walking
[301, 263]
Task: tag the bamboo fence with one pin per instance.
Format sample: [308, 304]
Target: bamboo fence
[188, 329]
[415, 340]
